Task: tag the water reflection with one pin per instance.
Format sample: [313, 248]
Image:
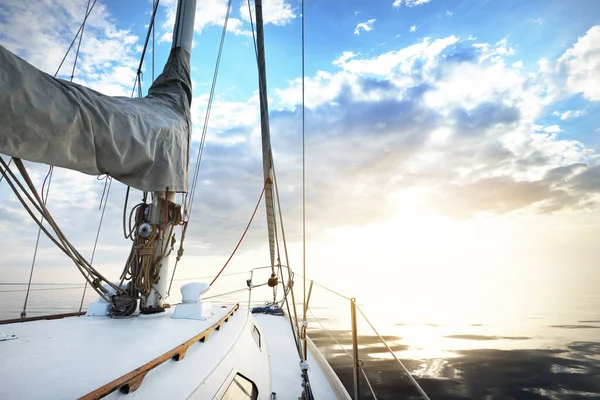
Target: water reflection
[572, 371]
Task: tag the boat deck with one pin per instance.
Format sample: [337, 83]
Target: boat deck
[92, 357]
[71, 357]
[286, 380]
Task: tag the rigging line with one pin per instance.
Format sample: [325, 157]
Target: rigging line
[234, 291]
[106, 178]
[368, 383]
[75, 38]
[37, 241]
[80, 39]
[49, 174]
[303, 174]
[207, 115]
[329, 290]
[153, 37]
[277, 249]
[24, 203]
[40, 289]
[287, 259]
[97, 236]
[287, 305]
[413, 381]
[65, 245]
[293, 322]
[252, 26]
[206, 277]
[148, 32]
[79, 33]
[179, 252]
[303, 187]
[330, 335]
[8, 165]
[243, 234]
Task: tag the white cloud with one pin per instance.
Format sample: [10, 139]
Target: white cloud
[472, 112]
[365, 26]
[276, 12]
[41, 31]
[413, 28]
[581, 65]
[410, 3]
[449, 13]
[346, 55]
[495, 52]
[402, 60]
[208, 13]
[570, 114]
[551, 129]
[538, 21]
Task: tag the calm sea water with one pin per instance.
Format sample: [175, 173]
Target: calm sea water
[536, 356]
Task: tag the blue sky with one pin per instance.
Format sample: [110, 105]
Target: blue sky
[474, 120]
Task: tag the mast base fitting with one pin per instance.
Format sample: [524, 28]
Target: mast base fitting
[273, 281]
[151, 310]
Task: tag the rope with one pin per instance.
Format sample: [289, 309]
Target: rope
[413, 381]
[97, 235]
[106, 178]
[330, 290]
[139, 70]
[79, 44]
[234, 291]
[207, 115]
[37, 290]
[243, 234]
[287, 305]
[368, 382]
[285, 249]
[60, 241]
[210, 276]
[48, 178]
[37, 241]
[345, 351]
[252, 26]
[75, 38]
[330, 335]
[9, 162]
[303, 181]
[153, 37]
[179, 254]
[127, 236]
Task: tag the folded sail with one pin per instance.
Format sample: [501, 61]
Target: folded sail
[142, 142]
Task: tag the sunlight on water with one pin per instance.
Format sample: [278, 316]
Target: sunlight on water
[447, 338]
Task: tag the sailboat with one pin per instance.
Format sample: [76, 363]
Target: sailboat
[131, 343]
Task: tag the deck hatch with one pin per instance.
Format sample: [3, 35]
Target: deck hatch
[241, 388]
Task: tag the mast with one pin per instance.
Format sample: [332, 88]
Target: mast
[163, 216]
[265, 130]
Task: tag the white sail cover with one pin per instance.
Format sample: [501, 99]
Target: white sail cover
[142, 142]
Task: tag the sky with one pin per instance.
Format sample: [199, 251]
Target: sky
[450, 145]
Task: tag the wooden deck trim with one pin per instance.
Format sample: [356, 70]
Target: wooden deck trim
[132, 380]
[41, 317]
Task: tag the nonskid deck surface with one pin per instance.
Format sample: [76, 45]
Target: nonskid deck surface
[286, 379]
[71, 357]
